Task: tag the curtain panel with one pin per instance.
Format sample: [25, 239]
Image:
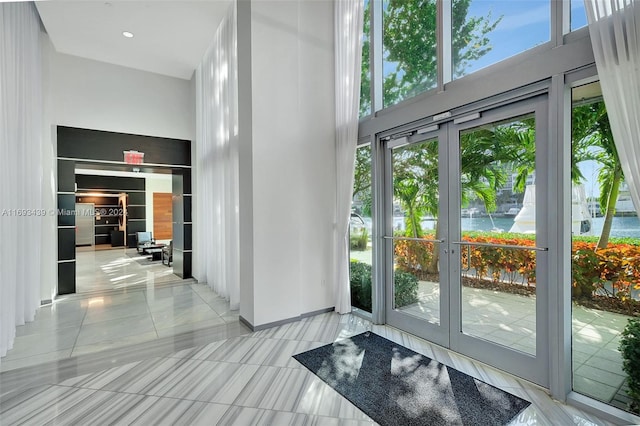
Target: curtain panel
[614, 26]
[216, 200]
[21, 176]
[348, 61]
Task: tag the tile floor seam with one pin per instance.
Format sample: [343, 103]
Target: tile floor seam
[143, 396]
[124, 392]
[295, 412]
[75, 342]
[43, 408]
[201, 298]
[173, 367]
[308, 376]
[235, 362]
[146, 299]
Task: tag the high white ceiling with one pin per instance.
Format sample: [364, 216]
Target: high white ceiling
[170, 37]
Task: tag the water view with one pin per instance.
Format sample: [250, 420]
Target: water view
[623, 226]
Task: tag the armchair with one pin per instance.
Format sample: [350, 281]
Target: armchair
[167, 253]
[143, 238]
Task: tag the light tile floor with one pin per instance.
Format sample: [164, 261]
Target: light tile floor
[118, 268]
[147, 324]
[131, 300]
[243, 380]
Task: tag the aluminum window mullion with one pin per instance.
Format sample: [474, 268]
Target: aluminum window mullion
[379, 215]
[377, 77]
[560, 21]
[445, 56]
[559, 229]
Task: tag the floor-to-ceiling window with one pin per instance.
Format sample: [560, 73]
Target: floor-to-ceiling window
[486, 32]
[365, 76]
[409, 42]
[432, 93]
[605, 252]
[578, 15]
[360, 232]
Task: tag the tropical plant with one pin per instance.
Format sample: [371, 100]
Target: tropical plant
[409, 42]
[612, 272]
[516, 146]
[360, 279]
[406, 289]
[593, 140]
[630, 351]
[406, 286]
[362, 179]
[365, 69]
[415, 183]
[358, 240]
[409, 36]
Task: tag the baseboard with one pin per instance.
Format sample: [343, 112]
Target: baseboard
[318, 312]
[245, 323]
[284, 321]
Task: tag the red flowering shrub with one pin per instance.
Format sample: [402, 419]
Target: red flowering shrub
[613, 271]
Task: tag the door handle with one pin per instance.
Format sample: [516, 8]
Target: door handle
[424, 240]
[508, 246]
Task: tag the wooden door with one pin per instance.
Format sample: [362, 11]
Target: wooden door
[162, 216]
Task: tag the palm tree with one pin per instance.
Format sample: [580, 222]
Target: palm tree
[593, 140]
[483, 155]
[415, 183]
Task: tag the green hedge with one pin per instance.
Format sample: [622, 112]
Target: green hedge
[359, 240]
[406, 287]
[630, 351]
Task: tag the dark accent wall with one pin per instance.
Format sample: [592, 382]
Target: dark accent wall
[108, 205]
[105, 149]
[109, 146]
[182, 226]
[66, 227]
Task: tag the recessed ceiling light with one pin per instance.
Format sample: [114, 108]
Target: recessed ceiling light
[127, 34]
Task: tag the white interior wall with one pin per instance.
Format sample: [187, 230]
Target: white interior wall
[154, 183]
[293, 158]
[49, 264]
[194, 179]
[245, 161]
[96, 95]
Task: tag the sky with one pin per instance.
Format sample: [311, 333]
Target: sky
[524, 24]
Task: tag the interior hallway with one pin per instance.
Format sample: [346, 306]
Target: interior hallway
[123, 299]
[100, 269]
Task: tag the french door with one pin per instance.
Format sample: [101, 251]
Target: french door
[465, 235]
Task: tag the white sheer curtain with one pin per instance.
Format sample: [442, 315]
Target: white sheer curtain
[217, 246]
[348, 52]
[614, 26]
[20, 170]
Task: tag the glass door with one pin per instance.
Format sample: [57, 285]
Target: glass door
[466, 236]
[417, 186]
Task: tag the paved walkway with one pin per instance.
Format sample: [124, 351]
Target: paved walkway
[509, 320]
